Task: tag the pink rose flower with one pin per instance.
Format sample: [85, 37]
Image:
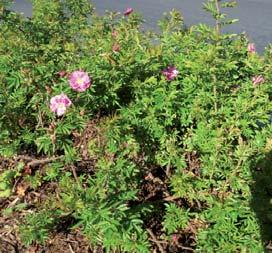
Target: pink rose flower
[128, 11]
[251, 48]
[256, 80]
[114, 34]
[62, 73]
[170, 73]
[175, 238]
[116, 48]
[59, 104]
[79, 80]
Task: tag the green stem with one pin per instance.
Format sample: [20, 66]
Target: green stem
[218, 24]
[215, 93]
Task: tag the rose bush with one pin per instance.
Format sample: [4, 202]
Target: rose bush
[153, 141]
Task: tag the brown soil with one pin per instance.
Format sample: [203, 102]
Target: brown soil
[154, 190]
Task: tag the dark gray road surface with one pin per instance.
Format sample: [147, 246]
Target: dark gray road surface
[255, 15]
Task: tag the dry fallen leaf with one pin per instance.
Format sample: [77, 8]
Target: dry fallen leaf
[21, 189]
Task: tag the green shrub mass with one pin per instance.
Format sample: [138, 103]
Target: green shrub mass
[206, 133]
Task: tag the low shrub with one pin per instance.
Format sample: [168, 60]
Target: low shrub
[134, 139]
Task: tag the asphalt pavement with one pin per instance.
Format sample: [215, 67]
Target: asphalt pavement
[255, 16]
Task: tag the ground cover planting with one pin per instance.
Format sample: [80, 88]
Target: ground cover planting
[116, 139]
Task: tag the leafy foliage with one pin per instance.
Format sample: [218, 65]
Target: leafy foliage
[204, 131]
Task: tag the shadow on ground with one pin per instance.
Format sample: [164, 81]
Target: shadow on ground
[262, 199]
